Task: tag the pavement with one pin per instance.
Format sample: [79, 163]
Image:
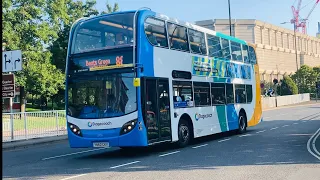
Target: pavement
[284, 146]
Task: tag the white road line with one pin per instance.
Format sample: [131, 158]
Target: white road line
[308, 145]
[245, 135]
[224, 140]
[64, 155]
[260, 131]
[169, 153]
[314, 144]
[134, 162]
[274, 128]
[295, 123]
[285, 125]
[304, 121]
[72, 177]
[199, 146]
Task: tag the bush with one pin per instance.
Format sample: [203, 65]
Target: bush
[288, 86]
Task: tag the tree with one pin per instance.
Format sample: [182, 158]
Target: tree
[288, 86]
[306, 78]
[110, 9]
[26, 27]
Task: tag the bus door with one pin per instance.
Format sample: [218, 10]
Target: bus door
[156, 109]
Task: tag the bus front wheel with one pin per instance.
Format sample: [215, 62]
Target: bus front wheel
[242, 123]
[184, 133]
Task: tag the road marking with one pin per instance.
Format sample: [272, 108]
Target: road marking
[285, 125]
[199, 146]
[295, 123]
[81, 152]
[169, 153]
[260, 131]
[304, 121]
[274, 128]
[224, 140]
[72, 177]
[134, 162]
[245, 135]
[313, 145]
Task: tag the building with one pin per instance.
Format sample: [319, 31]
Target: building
[318, 34]
[275, 45]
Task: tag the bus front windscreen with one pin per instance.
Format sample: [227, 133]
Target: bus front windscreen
[103, 32]
[101, 96]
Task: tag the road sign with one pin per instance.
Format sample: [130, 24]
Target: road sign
[11, 61]
[8, 88]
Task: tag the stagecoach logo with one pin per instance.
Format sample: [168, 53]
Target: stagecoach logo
[90, 124]
[199, 116]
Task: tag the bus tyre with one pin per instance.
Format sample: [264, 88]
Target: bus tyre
[184, 133]
[242, 123]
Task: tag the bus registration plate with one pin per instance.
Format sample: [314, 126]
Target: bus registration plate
[101, 144]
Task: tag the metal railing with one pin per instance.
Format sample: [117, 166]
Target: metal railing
[29, 125]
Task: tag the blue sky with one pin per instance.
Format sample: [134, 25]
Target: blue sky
[271, 11]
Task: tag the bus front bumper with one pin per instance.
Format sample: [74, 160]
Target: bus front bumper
[111, 137]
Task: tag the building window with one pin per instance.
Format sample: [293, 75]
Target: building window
[197, 42]
[218, 93]
[156, 32]
[182, 94]
[229, 93]
[178, 37]
[201, 94]
[236, 51]
[225, 48]
[214, 46]
[240, 92]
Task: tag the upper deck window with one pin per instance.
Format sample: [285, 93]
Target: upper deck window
[225, 48]
[178, 37]
[236, 51]
[214, 46]
[197, 42]
[103, 32]
[156, 32]
[252, 55]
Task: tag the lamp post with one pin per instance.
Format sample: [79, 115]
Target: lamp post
[229, 16]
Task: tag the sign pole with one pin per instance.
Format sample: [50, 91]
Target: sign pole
[11, 117]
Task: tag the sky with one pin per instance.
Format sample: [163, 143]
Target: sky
[270, 11]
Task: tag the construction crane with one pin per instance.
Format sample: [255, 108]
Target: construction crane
[301, 22]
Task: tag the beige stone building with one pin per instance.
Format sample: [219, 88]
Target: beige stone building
[275, 45]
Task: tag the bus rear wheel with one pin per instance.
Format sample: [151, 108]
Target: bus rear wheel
[184, 133]
[242, 123]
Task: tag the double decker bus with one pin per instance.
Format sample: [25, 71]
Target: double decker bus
[139, 78]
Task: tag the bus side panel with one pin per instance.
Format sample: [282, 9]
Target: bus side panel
[232, 117]
[257, 117]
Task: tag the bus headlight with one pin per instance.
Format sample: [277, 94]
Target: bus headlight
[127, 127]
[75, 129]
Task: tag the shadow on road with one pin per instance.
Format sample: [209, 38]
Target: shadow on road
[285, 145]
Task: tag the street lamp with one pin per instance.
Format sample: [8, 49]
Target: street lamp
[229, 16]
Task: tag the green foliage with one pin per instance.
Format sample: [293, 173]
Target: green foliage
[40, 28]
[288, 86]
[111, 9]
[306, 78]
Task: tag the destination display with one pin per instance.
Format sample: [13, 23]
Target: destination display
[101, 62]
[211, 67]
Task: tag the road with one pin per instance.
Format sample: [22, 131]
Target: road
[277, 148]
